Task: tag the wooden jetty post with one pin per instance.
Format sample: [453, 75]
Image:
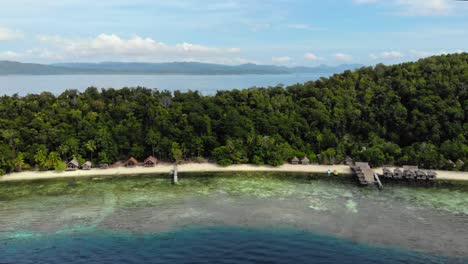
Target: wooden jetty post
[377, 179]
[175, 178]
[173, 173]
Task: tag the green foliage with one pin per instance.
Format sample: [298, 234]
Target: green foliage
[53, 160]
[41, 158]
[374, 156]
[20, 164]
[222, 156]
[60, 166]
[91, 147]
[176, 152]
[411, 113]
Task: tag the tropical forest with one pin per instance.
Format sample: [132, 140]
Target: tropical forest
[412, 113]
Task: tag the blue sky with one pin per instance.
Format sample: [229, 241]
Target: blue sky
[282, 32]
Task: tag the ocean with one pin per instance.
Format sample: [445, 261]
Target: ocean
[231, 218]
[221, 244]
[206, 84]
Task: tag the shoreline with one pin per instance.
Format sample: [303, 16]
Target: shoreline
[201, 167]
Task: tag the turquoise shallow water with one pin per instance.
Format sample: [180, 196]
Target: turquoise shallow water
[206, 245]
[231, 218]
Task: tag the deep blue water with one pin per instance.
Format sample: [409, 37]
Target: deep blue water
[204, 245]
[207, 84]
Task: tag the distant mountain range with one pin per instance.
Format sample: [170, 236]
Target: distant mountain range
[189, 68]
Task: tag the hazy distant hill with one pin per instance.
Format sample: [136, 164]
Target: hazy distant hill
[195, 68]
[12, 67]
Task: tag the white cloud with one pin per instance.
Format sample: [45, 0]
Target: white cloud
[299, 26]
[8, 34]
[411, 54]
[416, 7]
[234, 50]
[418, 54]
[425, 7]
[8, 55]
[311, 56]
[108, 44]
[134, 48]
[281, 59]
[343, 57]
[387, 55]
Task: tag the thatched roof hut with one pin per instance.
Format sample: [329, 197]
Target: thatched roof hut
[387, 173]
[131, 162]
[431, 175]
[73, 165]
[305, 161]
[410, 167]
[150, 162]
[87, 165]
[398, 173]
[421, 175]
[410, 174]
[295, 160]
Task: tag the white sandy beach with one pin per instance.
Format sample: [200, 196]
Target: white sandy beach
[202, 167]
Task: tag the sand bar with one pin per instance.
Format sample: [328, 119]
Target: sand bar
[202, 167]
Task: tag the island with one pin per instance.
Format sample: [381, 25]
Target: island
[406, 114]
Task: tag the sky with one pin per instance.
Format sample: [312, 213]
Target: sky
[279, 32]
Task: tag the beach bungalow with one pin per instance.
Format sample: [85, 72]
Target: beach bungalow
[398, 173]
[431, 175]
[305, 161]
[387, 173]
[150, 162]
[87, 165]
[421, 175]
[132, 162]
[295, 161]
[410, 174]
[73, 165]
[410, 171]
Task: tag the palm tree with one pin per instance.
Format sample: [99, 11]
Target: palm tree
[91, 146]
[20, 163]
[53, 160]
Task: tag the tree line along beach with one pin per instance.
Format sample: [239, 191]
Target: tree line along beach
[407, 114]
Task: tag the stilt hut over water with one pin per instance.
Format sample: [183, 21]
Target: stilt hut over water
[87, 165]
[421, 175]
[131, 162]
[150, 162]
[295, 161]
[387, 173]
[398, 173]
[410, 171]
[73, 165]
[305, 161]
[431, 175]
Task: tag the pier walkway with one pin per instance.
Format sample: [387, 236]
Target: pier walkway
[365, 174]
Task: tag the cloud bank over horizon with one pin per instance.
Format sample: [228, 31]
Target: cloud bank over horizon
[280, 32]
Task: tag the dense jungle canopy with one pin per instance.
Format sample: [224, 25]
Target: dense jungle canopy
[411, 113]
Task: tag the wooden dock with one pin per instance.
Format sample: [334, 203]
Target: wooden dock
[365, 174]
